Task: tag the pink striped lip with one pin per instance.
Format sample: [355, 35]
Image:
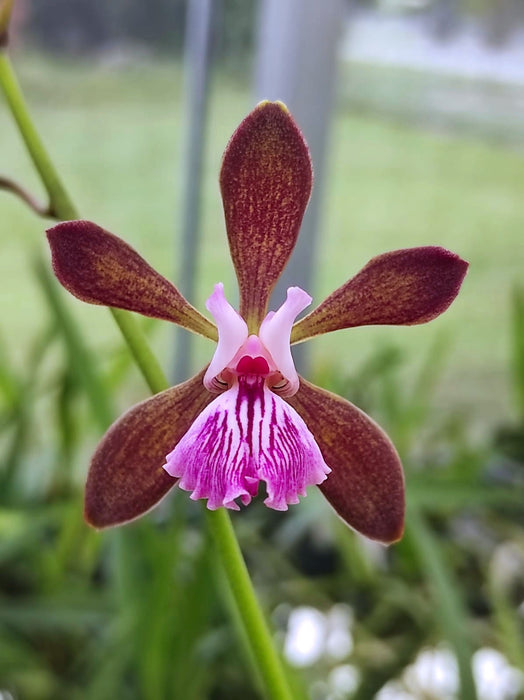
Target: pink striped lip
[246, 435]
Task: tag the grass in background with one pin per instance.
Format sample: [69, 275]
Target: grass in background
[425, 98]
[116, 134]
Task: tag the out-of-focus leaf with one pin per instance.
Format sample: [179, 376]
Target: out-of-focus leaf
[21, 392]
[518, 348]
[165, 599]
[407, 409]
[446, 495]
[430, 372]
[9, 381]
[504, 582]
[22, 529]
[49, 614]
[81, 359]
[451, 612]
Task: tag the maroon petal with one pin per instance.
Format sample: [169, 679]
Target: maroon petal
[366, 485]
[100, 268]
[403, 287]
[126, 477]
[265, 180]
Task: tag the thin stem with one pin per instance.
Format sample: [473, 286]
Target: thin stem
[11, 186]
[62, 207]
[143, 355]
[59, 203]
[265, 654]
[255, 624]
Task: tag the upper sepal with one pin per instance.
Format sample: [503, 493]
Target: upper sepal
[100, 268]
[366, 484]
[265, 180]
[126, 477]
[402, 287]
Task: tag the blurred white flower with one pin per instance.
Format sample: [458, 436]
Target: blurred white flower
[312, 634]
[434, 674]
[496, 679]
[305, 638]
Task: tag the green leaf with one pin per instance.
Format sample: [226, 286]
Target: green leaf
[518, 348]
[81, 358]
[450, 609]
[445, 495]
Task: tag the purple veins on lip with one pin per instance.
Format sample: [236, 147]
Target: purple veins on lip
[246, 435]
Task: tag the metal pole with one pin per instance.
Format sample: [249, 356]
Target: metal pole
[296, 63]
[197, 59]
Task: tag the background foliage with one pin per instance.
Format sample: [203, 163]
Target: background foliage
[142, 612]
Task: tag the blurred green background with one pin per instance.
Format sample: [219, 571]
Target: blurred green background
[143, 612]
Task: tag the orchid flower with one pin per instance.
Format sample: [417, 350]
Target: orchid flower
[248, 417]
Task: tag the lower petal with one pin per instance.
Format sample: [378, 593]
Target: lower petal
[366, 487]
[246, 435]
[126, 478]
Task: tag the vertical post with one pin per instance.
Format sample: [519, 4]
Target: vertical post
[296, 63]
[197, 60]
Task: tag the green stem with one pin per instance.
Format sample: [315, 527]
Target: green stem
[265, 654]
[143, 355]
[255, 624]
[61, 206]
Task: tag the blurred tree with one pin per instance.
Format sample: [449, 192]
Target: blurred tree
[502, 20]
[156, 23]
[236, 32]
[444, 18]
[296, 62]
[83, 26]
[62, 25]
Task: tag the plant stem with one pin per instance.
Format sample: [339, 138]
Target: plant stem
[255, 624]
[62, 207]
[136, 341]
[12, 186]
[59, 203]
[267, 658]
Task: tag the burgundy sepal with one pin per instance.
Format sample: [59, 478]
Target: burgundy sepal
[266, 181]
[403, 287]
[366, 484]
[100, 268]
[126, 477]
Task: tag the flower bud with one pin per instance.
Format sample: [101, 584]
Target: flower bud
[6, 7]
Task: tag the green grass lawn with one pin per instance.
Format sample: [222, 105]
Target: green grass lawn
[116, 136]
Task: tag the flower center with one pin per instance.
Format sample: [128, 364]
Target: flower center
[266, 355]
